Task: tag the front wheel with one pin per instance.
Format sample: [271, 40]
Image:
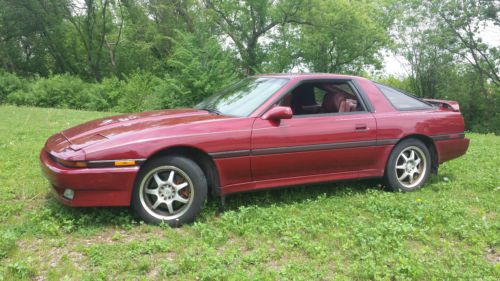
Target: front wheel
[409, 166]
[172, 189]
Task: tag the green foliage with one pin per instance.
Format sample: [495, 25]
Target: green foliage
[21, 270]
[448, 59]
[348, 231]
[247, 22]
[7, 243]
[479, 108]
[197, 69]
[9, 83]
[343, 36]
[398, 83]
[62, 91]
[140, 55]
[140, 91]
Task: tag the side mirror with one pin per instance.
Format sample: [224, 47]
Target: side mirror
[277, 113]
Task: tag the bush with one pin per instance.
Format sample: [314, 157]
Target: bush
[9, 83]
[61, 91]
[197, 68]
[139, 93]
[193, 72]
[110, 91]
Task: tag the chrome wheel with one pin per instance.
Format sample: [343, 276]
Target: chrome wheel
[166, 192]
[410, 167]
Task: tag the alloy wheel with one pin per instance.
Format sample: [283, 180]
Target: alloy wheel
[411, 166]
[166, 192]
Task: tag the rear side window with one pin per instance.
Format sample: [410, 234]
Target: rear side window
[400, 100]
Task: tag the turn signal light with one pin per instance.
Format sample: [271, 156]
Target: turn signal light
[125, 163]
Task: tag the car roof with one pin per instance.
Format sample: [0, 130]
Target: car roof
[308, 75]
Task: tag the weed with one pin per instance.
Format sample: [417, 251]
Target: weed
[351, 230]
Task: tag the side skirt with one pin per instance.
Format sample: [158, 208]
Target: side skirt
[294, 181]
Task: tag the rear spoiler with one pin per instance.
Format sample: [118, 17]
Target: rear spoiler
[446, 104]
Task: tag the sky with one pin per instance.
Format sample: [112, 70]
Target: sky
[398, 66]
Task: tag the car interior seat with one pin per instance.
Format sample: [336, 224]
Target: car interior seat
[338, 102]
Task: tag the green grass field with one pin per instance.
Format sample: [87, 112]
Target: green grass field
[348, 231]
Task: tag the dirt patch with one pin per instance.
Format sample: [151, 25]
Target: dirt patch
[492, 256]
[117, 235]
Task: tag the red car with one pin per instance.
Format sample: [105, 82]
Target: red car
[265, 131]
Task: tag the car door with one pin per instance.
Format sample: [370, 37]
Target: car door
[314, 144]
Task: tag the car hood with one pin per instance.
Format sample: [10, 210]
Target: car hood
[115, 126]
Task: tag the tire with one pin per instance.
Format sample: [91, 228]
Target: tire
[408, 167]
[169, 189]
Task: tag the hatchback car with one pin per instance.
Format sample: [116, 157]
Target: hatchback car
[265, 131]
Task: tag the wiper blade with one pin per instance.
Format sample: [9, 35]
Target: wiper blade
[212, 110]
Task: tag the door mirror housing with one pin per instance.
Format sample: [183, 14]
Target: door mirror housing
[277, 113]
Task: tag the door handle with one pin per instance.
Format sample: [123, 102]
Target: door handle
[361, 127]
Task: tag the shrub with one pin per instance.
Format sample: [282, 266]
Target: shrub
[138, 93]
[110, 91]
[197, 68]
[63, 91]
[9, 83]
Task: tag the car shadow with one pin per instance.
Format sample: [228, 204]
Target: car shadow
[298, 194]
[93, 218]
[74, 219]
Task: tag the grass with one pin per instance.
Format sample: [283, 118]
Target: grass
[345, 231]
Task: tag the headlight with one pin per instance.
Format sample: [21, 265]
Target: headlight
[71, 164]
[98, 163]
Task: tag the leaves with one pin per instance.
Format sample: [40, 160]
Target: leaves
[184, 50]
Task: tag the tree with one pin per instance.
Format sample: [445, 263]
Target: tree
[31, 37]
[91, 23]
[420, 45]
[247, 23]
[454, 26]
[448, 60]
[336, 36]
[463, 21]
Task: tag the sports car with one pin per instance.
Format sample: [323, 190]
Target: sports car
[263, 132]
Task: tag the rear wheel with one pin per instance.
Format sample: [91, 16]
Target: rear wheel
[170, 189]
[409, 166]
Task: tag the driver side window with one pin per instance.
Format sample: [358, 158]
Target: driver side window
[322, 98]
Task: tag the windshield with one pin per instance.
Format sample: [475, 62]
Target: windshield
[244, 97]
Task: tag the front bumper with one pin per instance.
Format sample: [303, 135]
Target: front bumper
[92, 186]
